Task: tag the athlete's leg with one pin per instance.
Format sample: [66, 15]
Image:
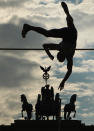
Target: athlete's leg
[56, 33]
[48, 47]
[69, 18]
[65, 7]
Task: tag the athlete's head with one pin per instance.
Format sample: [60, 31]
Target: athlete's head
[60, 56]
[69, 20]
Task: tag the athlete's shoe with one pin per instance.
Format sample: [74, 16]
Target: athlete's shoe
[25, 29]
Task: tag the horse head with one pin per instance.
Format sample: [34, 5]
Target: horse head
[23, 98]
[73, 98]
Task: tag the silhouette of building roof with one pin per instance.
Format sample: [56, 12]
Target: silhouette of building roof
[51, 125]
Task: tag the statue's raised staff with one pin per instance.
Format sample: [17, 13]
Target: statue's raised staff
[66, 47]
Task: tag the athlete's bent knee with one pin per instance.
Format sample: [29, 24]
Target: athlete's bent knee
[45, 46]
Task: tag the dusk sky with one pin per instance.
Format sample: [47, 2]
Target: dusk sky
[20, 70]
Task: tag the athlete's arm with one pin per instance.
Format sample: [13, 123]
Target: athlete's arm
[68, 73]
[69, 68]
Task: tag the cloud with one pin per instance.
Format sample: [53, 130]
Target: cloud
[10, 35]
[14, 71]
[11, 3]
[74, 1]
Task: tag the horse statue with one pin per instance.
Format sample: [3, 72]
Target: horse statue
[68, 108]
[26, 107]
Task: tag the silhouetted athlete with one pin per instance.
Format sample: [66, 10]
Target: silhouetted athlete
[66, 47]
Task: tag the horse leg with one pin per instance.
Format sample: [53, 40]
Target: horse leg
[53, 117]
[65, 113]
[42, 117]
[68, 116]
[47, 117]
[28, 115]
[74, 113]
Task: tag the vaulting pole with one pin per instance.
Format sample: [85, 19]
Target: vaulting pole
[79, 49]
